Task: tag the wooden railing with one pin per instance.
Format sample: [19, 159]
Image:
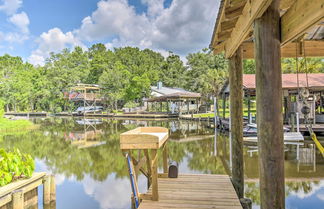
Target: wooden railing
[23, 193]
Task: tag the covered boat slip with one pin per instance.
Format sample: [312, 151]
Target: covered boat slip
[272, 29]
[292, 85]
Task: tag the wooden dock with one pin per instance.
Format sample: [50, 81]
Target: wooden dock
[27, 114]
[24, 193]
[195, 191]
[288, 137]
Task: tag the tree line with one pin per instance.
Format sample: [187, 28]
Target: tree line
[124, 74]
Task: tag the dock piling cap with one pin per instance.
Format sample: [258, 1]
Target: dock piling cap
[144, 138]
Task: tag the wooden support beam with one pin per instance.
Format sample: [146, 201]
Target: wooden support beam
[269, 108]
[312, 49]
[228, 25]
[234, 9]
[302, 15]
[224, 35]
[219, 48]
[252, 10]
[236, 111]
[155, 189]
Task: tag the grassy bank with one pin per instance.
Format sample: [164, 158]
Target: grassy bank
[14, 126]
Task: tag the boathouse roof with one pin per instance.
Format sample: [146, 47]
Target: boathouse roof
[289, 82]
[175, 96]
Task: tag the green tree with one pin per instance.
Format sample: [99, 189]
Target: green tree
[173, 72]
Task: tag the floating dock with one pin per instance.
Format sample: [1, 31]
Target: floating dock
[194, 191]
[27, 114]
[288, 137]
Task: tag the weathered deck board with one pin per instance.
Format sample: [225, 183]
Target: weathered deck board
[195, 191]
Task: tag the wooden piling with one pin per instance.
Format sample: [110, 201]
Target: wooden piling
[18, 199]
[269, 108]
[236, 115]
[165, 159]
[53, 189]
[47, 190]
[249, 108]
[155, 194]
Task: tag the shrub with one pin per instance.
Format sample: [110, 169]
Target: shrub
[131, 104]
[1, 108]
[15, 165]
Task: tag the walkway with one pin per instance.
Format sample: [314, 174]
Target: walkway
[195, 191]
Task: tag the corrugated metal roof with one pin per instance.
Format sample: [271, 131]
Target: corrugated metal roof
[289, 81]
[177, 95]
[168, 90]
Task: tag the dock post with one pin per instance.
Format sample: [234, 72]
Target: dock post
[269, 107]
[155, 193]
[47, 190]
[53, 189]
[18, 199]
[249, 109]
[236, 117]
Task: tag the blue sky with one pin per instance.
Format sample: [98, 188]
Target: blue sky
[32, 29]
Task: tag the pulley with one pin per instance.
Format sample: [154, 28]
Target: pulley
[304, 93]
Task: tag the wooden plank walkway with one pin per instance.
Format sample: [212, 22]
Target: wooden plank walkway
[195, 191]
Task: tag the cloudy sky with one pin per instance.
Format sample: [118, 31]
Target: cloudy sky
[33, 28]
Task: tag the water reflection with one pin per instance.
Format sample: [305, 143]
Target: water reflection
[96, 176]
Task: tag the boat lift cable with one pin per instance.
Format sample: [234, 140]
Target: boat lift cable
[305, 108]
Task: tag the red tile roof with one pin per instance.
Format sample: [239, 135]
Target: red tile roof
[289, 81]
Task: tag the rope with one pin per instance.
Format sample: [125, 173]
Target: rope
[305, 64]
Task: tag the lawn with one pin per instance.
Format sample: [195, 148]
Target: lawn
[13, 126]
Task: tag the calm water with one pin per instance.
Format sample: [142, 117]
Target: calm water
[91, 171]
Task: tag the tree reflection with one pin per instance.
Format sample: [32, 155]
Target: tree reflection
[49, 144]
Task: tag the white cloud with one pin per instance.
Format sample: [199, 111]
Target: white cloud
[114, 17]
[315, 187]
[10, 6]
[113, 192]
[320, 196]
[12, 37]
[21, 20]
[184, 27]
[52, 41]
[154, 7]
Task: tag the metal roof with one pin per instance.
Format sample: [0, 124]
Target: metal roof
[167, 90]
[289, 81]
[175, 96]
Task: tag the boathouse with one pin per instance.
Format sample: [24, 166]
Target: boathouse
[292, 85]
[265, 30]
[172, 100]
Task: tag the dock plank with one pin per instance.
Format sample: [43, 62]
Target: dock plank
[195, 191]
